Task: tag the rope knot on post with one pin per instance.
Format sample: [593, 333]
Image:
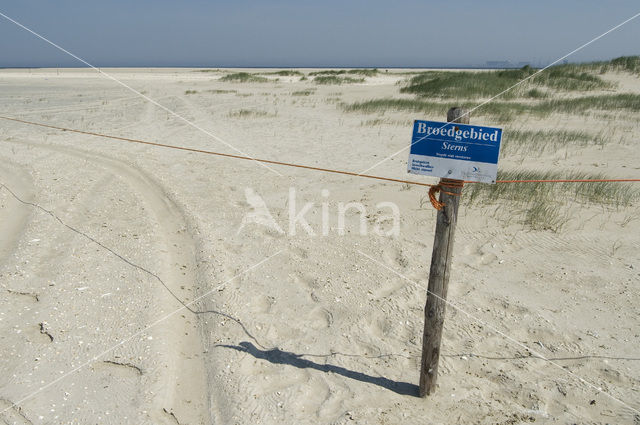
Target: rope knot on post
[445, 183]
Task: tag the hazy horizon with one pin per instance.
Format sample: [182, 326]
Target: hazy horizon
[379, 67]
[305, 34]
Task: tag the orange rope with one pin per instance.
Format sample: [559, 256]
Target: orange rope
[449, 183]
[228, 155]
[434, 188]
[568, 181]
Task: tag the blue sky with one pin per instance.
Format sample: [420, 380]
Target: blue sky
[288, 33]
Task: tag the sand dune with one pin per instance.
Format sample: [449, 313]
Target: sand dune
[318, 333]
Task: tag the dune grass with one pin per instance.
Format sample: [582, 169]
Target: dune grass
[432, 89]
[286, 73]
[248, 113]
[385, 121]
[190, 92]
[334, 80]
[628, 102]
[624, 63]
[538, 142]
[541, 204]
[388, 104]
[471, 85]
[544, 216]
[504, 111]
[218, 91]
[334, 72]
[303, 92]
[536, 94]
[559, 78]
[497, 110]
[244, 77]
[602, 193]
[630, 64]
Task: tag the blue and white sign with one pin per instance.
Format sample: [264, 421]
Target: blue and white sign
[455, 151]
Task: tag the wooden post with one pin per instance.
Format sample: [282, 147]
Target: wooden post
[439, 274]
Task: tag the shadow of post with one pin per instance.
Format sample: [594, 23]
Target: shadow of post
[277, 356]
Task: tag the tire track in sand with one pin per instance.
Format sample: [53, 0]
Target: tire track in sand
[185, 375]
[13, 214]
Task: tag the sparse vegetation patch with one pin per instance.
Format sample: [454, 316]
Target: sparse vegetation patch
[248, 113]
[605, 193]
[527, 141]
[541, 203]
[503, 111]
[216, 91]
[244, 77]
[630, 64]
[334, 80]
[334, 72]
[613, 102]
[286, 73]
[303, 92]
[469, 85]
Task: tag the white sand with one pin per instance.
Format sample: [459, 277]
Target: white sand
[349, 330]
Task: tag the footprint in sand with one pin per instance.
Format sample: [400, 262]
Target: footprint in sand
[394, 257]
[308, 282]
[305, 280]
[380, 326]
[261, 304]
[299, 252]
[474, 256]
[320, 318]
[389, 287]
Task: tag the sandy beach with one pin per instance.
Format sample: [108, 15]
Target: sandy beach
[138, 287]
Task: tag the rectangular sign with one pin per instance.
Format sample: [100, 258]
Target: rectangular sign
[455, 151]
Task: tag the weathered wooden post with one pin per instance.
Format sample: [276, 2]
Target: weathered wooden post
[440, 270]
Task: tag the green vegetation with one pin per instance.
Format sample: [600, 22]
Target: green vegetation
[503, 111]
[303, 92]
[217, 91]
[385, 121]
[536, 94]
[499, 111]
[383, 105]
[332, 79]
[328, 72]
[334, 72]
[372, 123]
[469, 85]
[244, 77]
[612, 102]
[286, 73]
[630, 64]
[541, 203]
[248, 113]
[527, 142]
[191, 92]
[433, 88]
[545, 216]
[624, 63]
[604, 193]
